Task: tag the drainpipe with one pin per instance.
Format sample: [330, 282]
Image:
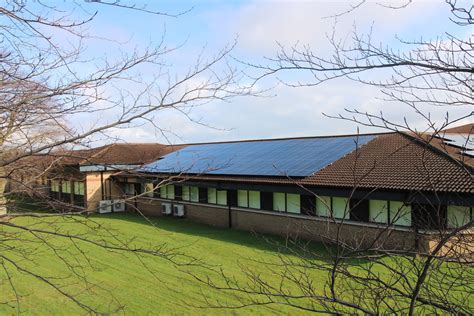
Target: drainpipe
[102, 185]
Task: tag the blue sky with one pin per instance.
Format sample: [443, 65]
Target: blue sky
[258, 26]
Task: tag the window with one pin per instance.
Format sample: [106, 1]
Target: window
[212, 196]
[254, 199]
[458, 215]
[186, 196]
[242, 198]
[215, 196]
[293, 203]
[323, 206]
[279, 201]
[78, 188]
[54, 186]
[286, 202]
[148, 189]
[66, 187]
[194, 194]
[167, 192]
[250, 199]
[340, 207]
[378, 211]
[222, 197]
[129, 188]
[400, 214]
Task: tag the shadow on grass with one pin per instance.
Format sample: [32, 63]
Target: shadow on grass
[259, 241]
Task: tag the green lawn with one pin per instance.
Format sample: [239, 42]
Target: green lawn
[112, 280]
[138, 284]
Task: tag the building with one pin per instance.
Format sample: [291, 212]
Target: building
[388, 190]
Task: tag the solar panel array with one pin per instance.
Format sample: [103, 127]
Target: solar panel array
[463, 141]
[287, 157]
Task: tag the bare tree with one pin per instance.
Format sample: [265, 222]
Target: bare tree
[347, 277]
[47, 81]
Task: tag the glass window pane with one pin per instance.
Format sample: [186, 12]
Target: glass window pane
[340, 207]
[170, 191]
[378, 211]
[66, 187]
[54, 185]
[242, 198]
[323, 206]
[163, 191]
[186, 196]
[194, 194]
[211, 195]
[458, 215]
[222, 197]
[78, 188]
[278, 201]
[400, 214]
[254, 199]
[293, 203]
[148, 189]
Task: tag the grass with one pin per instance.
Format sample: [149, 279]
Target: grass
[112, 280]
[141, 284]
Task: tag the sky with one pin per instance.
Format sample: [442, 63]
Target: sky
[257, 27]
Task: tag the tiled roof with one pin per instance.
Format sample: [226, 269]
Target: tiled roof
[463, 129]
[396, 161]
[129, 154]
[389, 161]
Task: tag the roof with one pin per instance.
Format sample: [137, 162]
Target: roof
[129, 154]
[463, 129]
[396, 161]
[296, 157]
[393, 161]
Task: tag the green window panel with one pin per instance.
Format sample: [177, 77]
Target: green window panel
[222, 197]
[279, 203]
[323, 206]
[186, 193]
[293, 203]
[212, 196]
[242, 198]
[66, 187]
[78, 188]
[400, 214]
[340, 207]
[254, 199]
[458, 215]
[378, 211]
[194, 194]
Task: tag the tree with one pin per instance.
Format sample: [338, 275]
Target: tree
[48, 80]
[370, 279]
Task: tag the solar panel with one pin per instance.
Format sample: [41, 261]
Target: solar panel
[292, 157]
[461, 141]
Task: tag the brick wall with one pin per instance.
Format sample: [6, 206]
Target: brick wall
[289, 226]
[322, 230]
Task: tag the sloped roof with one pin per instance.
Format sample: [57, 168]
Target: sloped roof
[463, 129]
[296, 157]
[129, 154]
[387, 161]
[396, 161]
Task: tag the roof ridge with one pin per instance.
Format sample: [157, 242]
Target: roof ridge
[282, 138]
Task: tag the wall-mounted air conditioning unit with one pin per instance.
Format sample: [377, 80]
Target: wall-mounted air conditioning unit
[178, 210]
[119, 206]
[166, 208]
[105, 206]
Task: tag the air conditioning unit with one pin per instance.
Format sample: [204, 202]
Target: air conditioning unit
[166, 208]
[119, 206]
[105, 206]
[178, 210]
